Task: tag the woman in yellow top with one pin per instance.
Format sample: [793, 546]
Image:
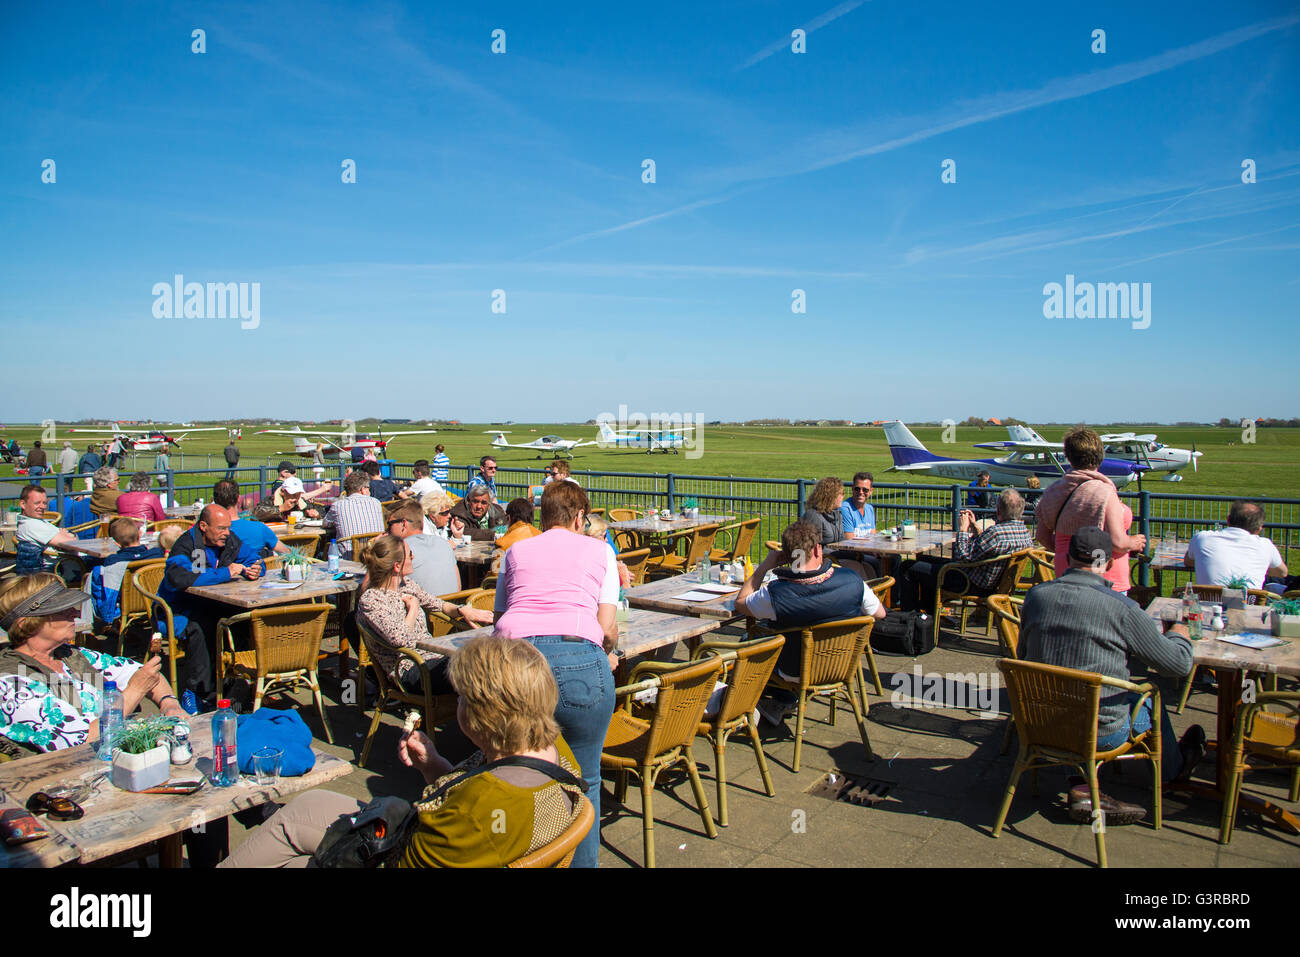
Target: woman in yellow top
[519, 518]
[507, 703]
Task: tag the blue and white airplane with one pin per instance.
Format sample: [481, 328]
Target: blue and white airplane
[1025, 458]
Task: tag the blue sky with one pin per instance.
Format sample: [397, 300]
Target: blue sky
[775, 171]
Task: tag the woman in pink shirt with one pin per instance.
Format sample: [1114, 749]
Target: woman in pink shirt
[1084, 496]
[559, 591]
[138, 502]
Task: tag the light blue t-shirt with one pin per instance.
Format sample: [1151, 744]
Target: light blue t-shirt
[850, 519]
[256, 535]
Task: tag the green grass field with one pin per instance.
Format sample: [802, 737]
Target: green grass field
[1267, 467]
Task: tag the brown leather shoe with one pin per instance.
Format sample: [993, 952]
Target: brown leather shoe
[1116, 812]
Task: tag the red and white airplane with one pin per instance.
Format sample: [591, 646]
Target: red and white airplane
[154, 441]
[305, 441]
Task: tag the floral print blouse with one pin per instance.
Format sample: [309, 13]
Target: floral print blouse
[36, 706]
[384, 613]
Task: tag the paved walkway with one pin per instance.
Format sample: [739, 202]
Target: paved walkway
[938, 772]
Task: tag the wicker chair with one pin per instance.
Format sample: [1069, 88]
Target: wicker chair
[484, 599]
[648, 747]
[1039, 567]
[181, 523]
[741, 535]
[830, 661]
[441, 623]
[699, 541]
[624, 514]
[304, 541]
[559, 853]
[1010, 575]
[286, 650]
[104, 522]
[636, 561]
[85, 527]
[53, 517]
[352, 548]
[147, 580]
[746, 674]
[1055, 711]
[436, 709]
[880, 588]
[131, 603]
[1273, 736]
[1006, 609]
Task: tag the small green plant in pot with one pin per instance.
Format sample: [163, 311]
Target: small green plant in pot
[294, 565]
[1285, 618]
[1237, 587]
[142, 752]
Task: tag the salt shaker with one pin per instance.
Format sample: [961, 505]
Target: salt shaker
[181, 751]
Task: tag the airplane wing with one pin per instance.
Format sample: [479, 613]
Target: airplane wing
[102, 431]
[1117, 437]
[300, 433]
[496, 431]
[680, 428]
[215, 428]
[1019, 445]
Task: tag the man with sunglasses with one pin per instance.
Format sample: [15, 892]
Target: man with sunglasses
[858, 516]
[433, 565]
[487, 477]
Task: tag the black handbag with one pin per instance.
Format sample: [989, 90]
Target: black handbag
[381, 829]
[908, 633]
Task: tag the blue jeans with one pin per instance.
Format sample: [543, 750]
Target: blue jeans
[1171, 757]
[35, 471]
[583, 711]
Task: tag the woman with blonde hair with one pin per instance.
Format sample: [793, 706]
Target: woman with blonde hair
[392, 609]
[438, 519]
[517, 793]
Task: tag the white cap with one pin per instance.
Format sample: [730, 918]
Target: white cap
[292, 485]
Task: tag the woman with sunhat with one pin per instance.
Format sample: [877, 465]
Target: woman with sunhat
[50, 691]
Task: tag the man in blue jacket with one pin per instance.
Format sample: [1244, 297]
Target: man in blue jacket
[206, 554]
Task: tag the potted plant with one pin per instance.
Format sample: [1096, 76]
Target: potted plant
[1285, 616]
[142, 753]
[1236, 589]
[294, 564]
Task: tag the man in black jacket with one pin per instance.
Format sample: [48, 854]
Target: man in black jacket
[232, 459]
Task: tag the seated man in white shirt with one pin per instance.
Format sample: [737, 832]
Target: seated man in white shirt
[423, 484]
[34, 533]
[1236, 552]
[433, 562]
[805, 590]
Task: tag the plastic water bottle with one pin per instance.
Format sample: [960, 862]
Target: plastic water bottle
[110, 720]
[225, 759]
[333, 565]
[1192, 612]
[706, 569]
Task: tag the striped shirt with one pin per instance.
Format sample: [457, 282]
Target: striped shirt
[1078, 621]
[441, 467]
[1000, 539]
[354, 515]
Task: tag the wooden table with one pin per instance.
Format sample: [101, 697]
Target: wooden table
[1166, 556]
[658, 596]
[182, 511]
[117, 821]
[475, 553]
[243, 593]
[646, 631]
[927, 540]
[657, 526]
[1229, 661]
[99, 548]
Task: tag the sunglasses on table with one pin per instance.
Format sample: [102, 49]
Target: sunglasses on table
[58, 808]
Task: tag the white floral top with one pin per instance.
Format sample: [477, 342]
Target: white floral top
[33, 706]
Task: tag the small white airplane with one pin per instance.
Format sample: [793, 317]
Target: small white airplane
[154, 441]
[552, 444]
[305, 441]
[652, 440]
[1129, 447]
[1024, 458]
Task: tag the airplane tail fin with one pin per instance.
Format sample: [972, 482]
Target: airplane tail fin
[607, 434]
[905, 447]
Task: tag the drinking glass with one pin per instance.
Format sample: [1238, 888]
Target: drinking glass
[266, 766]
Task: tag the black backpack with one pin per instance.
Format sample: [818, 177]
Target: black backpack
[908, 633]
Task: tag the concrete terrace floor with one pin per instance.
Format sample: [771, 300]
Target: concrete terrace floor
[938, 771]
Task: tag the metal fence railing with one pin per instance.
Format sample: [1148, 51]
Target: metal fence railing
[776, 502]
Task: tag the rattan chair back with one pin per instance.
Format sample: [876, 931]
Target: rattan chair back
[832, 651]
[1007, 613]
[131, 602]
[624, 514]
[287, 638]
[636, 561]
[746, 677]
[484, 599]
[684, 692]
[171, 523]
[559, 853]
[303, 541]
[1054, 707]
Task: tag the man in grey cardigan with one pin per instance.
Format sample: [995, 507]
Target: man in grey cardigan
[1078, 621]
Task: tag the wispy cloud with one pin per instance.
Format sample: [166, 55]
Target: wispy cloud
[633, 224]
[817, 22]
[1218, 242]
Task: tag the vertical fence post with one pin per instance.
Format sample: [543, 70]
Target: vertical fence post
[671, 490]
[171, 484]
[1144, 523]
[956, 508]
[801, 495]
[261, 482]
[58, 493]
